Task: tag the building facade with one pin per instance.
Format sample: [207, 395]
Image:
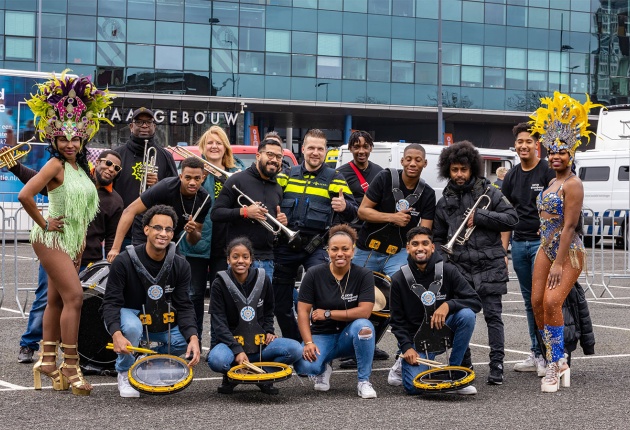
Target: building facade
[291, 65]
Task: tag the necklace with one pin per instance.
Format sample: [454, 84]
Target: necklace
[185, 214]
[345, 287]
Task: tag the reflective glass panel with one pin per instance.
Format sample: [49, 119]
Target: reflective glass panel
[451, 9]
[141, 31]
[493, 78]
[19, 24]
[252, 16]
[278, 64]
[197, 35]
[329, 44]
[516, 58]
[312, 4]
[353, 91]
[379, 25]
[402, 7]
[303, 88]
[278, 41]
[494, 56]
[451, 53]
[329, 21]
[539, 18]
[53, 25]
[426, 73]
[402, 72]
[354, 23]
[169, 33]
[86, 7]
[82, 27]
[354, 68]
[225, 13]
[111, 29]
[20, 48]
[170, 10]
[279, 17]
[580, 22]
[304, 19]
[169, 57]
[251, 62]
[378, 70]
[403, 28]
[537, 60]
[427, 9]
[472, 55]
[472, 76]
[379, 48]
[403, 50]
[196, 59]
[143, 9]
[494, 99]
[516, 79]
[427, 51]
[112, 8]
[250, 39]
[328, 67]
[354, 46]
[251, 86]
[330, 4]
[54, 50]
[537, 81]
[198, 11]
[277, 87]
[59, 6]
[355, 6]
[140, 55]
[495, 14]
[81, 52]
[402, 94]
[304, 43]
[303, 65]
[377, 93]
[472, 11]
[224, 61]
[110, 54]
[517, 16]
[381, 7]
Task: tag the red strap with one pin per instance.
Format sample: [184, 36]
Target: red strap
[362, 180]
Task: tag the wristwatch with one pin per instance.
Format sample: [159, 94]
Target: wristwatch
[327, 314]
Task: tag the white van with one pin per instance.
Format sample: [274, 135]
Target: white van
[389, 154]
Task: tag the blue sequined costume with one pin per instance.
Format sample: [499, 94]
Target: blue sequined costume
[551, 228]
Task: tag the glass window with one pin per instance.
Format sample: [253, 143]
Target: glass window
[311, 4]
[402, 72]
[140, 31]
[580, 5]
[379, 48]
[19, 24]
[595, 173]
[452, 31]
[403, 50]
[304, 19]
[623, 174]
[425, 95]
[473, 33]
[545, 3]
[20, 48]
[381, 7]
[427, 51]
[196, 59]
[402, 94]
[53, 25]
[516, 58]
[328, 44]
[354, 46]
[54, 50]
[225, 37]
[329, 22]
[249, 39]
[279, 17]
[516, 79]
[251, 62]
[85, 7]
[402, 7]
[354, 23]
[379, 25]
[354, 68]
[304, 43]
[538, 38]
[427, 9]
[451, 10]
[303, 89]
[517, 16]
[494, 78]
[355, 6]
[377, 93]
[495, 14]
[494, 56]
[537, 60]
[404, 28]
[559, 19]
[2, 24]
[197, 35]
[494, 99]
[328, 67]
[353, 91]
[169, 33]
[496, 35]
[451, 53]
[224, 61]
[472, 11]
[277, 87]
[112, 8]
[472, 76]
[537, 81]
[278, 41]
[250, 86]
[426, 73]
[81, 52]
[143, 9]
[225, 13]
[83, 27]
[140, 56]
[450, 75]
[580, 22]
[472, 55]
[170, 10]
[378, 70]
[278, 64]
[303, 65]
[330, 4]
[169, 57]
[110, 54]
[59, 6]
[539, 18]
[197, 11]
[252, 16]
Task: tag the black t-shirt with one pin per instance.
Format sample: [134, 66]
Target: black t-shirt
[380, 191]
[167, 192]
[521, 188]
[353, 181]
[320, 289]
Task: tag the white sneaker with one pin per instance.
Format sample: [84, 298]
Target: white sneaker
[527, 365]
[541, 366]
[322, 381]
[467, 391]
[395, 374]
[365, 390]
[124, 387]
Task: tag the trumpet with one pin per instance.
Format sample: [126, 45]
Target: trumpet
[457, 237]
[291, 235]
[10, 154]
[182, 151]
[148, 165]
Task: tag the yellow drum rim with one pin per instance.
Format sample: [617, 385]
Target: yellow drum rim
[443, 386]
[168, 389]
[381, 314]
[284, 372]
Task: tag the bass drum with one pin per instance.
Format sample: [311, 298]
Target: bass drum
[380, 319]
[93, 337]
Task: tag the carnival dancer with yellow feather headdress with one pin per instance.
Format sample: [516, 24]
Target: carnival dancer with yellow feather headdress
[561, 122]
[67, 114]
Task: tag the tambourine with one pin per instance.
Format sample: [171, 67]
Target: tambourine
[444, 378]
[259, 372]
[160, 374]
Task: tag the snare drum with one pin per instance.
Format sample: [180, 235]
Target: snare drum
[93, 336]
[160, 374]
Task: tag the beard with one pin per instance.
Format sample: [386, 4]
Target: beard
[102, 181]
[265, 171]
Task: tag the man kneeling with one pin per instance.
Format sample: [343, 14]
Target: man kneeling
[455, 304]
[153, 276]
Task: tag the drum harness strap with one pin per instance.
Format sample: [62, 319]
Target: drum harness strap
[248, 333]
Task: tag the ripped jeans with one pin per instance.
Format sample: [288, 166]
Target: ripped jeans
[346, 343]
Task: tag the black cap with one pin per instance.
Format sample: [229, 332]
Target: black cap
[142, 110]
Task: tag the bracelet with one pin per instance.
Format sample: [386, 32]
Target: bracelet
[46, 227]
[308, 343]
[244, 211]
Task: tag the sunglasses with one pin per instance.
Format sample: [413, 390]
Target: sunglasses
[110, 163]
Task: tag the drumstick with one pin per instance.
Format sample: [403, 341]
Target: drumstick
[193, 218]
[133, 349]
[252, 367]
[430, 363]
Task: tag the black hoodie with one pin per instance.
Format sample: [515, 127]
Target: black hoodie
[407, 311]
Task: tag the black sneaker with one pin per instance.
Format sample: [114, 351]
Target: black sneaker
[226, 386]
[25, 355]
[268, 389]
[496, 374]
[380, 355]
[351, 362]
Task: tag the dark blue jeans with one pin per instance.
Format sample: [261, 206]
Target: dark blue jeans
[33, 333]
[523, 257]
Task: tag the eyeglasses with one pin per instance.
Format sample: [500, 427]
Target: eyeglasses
[110, 163]
[159, 229]
[143, 122]
[273, 155]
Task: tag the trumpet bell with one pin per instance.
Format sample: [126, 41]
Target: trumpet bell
[10, 154]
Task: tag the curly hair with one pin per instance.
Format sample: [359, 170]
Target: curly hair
[462, 152]
[82, 160]
[523, 127]
[159, 210]
[354, 138]
[345, 230]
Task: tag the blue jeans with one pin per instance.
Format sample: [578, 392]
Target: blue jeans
[33, 333]
[132, 329]
[344, 344]
[281, 350]
[264, 264]
[379, 262]
[523, 257]
[462, 323]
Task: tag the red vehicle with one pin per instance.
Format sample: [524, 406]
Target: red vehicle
[246, 153]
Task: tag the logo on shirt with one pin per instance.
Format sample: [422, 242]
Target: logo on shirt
[155, 292]
[248, 313]
[260, 303]
[349, 297]
[427, 298]
[537, 187]
[137, 170]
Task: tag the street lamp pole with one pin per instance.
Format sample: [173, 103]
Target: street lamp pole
[326, 84]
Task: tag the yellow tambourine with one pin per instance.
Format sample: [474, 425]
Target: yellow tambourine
[160, 374]
[444, 378]
[259, 372]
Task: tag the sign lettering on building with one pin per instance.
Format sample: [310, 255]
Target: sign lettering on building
[175, 117]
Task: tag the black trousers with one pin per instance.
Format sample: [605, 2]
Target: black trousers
[492, 309]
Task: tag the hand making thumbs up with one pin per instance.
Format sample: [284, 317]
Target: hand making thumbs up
[339, 203]
[281, 216]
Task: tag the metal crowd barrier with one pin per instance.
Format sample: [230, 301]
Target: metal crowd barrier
[25, 277]
[2, 274]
